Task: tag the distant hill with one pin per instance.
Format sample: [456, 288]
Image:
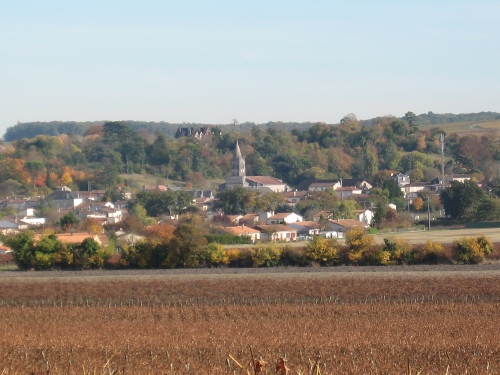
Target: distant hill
[54, 128]
[430, 118]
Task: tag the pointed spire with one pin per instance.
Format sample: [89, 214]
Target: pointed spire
[237, 152]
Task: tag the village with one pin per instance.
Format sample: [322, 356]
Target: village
[99, 217]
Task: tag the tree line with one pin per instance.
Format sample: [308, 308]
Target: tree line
[185, 246]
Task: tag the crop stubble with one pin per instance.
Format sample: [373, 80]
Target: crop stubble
[361, 324]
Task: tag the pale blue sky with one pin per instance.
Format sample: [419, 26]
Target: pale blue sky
[212, 61]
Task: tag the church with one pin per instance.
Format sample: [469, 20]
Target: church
[238, 177]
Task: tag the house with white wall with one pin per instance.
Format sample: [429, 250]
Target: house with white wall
[287, 218]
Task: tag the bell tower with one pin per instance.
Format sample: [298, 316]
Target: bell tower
[238, 163]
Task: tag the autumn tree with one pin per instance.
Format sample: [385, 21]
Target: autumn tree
[358, 242]
[188, 244]
[34, 167]
[471, 250]
[322, 250]
[417, 204]
[160, 233]
[92, 225]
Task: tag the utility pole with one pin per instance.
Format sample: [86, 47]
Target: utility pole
[428, 213]
[441, 139]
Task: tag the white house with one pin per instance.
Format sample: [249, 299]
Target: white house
[277, 232]
[345, 224]
[322, 186]
[242, 231]
[306, 228]
[287, 218]
[31, 220]
[365, 216]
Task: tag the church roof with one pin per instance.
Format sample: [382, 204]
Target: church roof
[265, 180]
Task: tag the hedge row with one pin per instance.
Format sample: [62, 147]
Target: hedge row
[359, 249]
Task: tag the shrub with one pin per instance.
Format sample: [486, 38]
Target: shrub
[358, 241]
[266, 256]
[376, 255]
[429, 253]
[294, 256]
[470, 250]
[495, 255]
[399, 249]
[322, 250]
[113, 261]
[228, 239]
[239, 257]
[215, 255]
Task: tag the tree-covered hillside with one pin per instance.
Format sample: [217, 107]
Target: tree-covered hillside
[350, 149]
[55, 128]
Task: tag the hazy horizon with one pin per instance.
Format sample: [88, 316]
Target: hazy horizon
[211, 62]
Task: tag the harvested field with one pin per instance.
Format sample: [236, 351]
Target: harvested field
[443, 235]
[170, 322]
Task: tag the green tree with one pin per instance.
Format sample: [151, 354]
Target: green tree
[188, 245]
[460, 199]
[23, 246]
[488, 209]
[390, 155]
[68, 221]
[158, 153]
[236, 200]
[393, 189]
[411, 118]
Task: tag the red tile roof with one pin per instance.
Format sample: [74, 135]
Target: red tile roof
[241, 230]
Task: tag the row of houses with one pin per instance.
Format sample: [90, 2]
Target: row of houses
[285, 227]
[300, 230]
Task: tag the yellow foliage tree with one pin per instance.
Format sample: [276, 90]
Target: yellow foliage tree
[92, 225]
[266, 255]
[322, 250]
[417, 204]
[66, 177]
[358, 242]
[431, 252]
[471, 250]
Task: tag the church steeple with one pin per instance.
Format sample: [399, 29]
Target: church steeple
[238, 163]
